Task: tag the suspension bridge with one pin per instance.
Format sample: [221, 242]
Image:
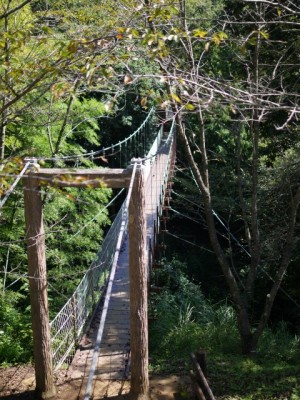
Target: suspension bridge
[99, 345]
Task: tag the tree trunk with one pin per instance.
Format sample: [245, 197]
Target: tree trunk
[255, 129]
[35, 235]
[240, 181]
[3, 115]
[241, 310]
[2, 139]
[65, 121]
[138, 290]
[285, 260]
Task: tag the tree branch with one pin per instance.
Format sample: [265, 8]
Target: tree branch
[13, 10]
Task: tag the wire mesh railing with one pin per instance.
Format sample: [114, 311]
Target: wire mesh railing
[161, 158]
[169, 148]
[67, 326]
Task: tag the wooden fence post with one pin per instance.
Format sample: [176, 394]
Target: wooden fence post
[37, 272]
[138, 289]
[199, 379]
[201, 358]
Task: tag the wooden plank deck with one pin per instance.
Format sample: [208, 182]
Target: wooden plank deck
[115, 345]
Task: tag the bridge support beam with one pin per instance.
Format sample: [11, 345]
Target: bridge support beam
[139, 388]
[37, 273]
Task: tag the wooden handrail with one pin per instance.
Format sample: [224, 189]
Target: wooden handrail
[200, 384]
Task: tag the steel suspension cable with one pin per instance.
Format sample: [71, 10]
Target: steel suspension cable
[11, 189]
[100, 212]
[188, 241]
[104, 150]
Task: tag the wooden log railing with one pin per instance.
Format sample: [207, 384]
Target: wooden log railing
[198, 376]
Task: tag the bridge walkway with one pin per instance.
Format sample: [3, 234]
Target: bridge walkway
[114, 357]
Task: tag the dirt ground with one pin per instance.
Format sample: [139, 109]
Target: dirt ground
[18, 383]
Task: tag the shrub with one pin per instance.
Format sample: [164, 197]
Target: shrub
[279, 342]
[185, 321]
[15, 330]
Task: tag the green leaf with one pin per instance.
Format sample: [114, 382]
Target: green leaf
[72, 47]
[189, 107]
[176, 98]
[264, 34]
[135, 33]
[199, 33]
[222, 35]
[216, 39]
[252, 41]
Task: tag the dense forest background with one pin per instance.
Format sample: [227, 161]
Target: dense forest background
[77, 76]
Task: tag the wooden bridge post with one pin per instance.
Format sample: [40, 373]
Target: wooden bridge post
[138, 289]
[37, 272]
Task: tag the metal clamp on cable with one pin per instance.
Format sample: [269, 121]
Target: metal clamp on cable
[32, 164]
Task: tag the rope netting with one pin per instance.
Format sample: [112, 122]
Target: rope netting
[69, 324]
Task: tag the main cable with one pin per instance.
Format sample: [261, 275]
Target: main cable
[98, 152]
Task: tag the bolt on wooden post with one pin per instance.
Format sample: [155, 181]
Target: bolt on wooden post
[37, 272]
[138, 289]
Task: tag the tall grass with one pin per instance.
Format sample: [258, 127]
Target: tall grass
[279, 343]
[185, 321]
